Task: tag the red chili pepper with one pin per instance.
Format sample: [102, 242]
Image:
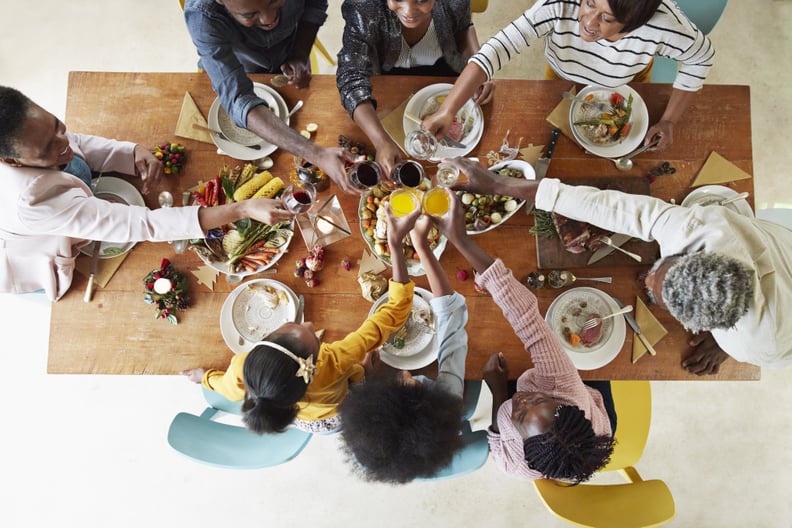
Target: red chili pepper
[216, 191]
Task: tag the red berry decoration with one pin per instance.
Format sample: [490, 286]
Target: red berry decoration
[312, 283]
[462, 274]
[172, 156]
[346, 264]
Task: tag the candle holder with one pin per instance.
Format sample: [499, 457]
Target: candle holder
[324, 223]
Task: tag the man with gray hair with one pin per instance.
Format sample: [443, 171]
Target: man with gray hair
[724, 276]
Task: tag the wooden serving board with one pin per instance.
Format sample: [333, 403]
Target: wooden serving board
[550, 254]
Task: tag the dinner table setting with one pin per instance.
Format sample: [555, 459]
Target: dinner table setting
[161, 308]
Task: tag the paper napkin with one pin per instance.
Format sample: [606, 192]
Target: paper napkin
[105, 268]
[188, 115]
[393, 123]
[531, 153]
[559, 117]
[651, 329]
[206, 275]
[718, 169]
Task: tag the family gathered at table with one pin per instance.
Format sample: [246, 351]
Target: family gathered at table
[724, 277]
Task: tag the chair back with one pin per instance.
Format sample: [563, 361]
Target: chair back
[776, 215]
[318, 51]
[220, 402]
[704, 14]
[478, 6]
[472, 455]
[634, 505]
[633, 401]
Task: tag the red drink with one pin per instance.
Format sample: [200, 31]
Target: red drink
[409, 174]
[365, 174]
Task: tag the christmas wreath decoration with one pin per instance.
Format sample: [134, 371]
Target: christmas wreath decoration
[166, 288]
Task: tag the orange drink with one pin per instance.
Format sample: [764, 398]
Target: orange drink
[436, 201]
[403, 202]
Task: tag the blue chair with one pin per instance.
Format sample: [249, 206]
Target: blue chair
[229, 446]
[777, 215]
[475, 447]
[704, 14]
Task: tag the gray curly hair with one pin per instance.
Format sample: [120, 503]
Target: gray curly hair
[704, 291]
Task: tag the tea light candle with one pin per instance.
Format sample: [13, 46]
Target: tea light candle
[162, 285]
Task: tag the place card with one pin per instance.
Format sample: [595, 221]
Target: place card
[531, 153]
[393, 123]
[206, 275]
[718, 169]
[189, 115]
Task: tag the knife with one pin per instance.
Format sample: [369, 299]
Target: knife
[540, 168]
[298, 317]
[637, 329]
[92, 271]
[618, 240]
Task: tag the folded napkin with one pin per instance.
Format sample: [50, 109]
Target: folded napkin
[718, 169]
[559, 117]
[105, 268]
[531, 153]
[393, 123]
[188, 115]
[651, 329]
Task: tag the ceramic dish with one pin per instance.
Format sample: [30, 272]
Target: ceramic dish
[570, 310]
[414, 267]
[231, 336]
[243, 136]
[420, 343]
[528, 174]
[242, 152]
[639, 121]
[285, 236]
[115, 190]
[425, 102]
[713, 194]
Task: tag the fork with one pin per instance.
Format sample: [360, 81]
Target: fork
[510, 152]
[591, 323]
[606, 240]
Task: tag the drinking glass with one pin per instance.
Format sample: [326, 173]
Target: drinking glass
[437, 201]
[365, 174]
[298, 197]
[447, 174]
[408, 174]
[421, 144]
[404, 201]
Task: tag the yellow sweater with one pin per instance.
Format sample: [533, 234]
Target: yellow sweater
[337, 363]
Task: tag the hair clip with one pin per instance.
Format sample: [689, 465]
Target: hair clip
[306, 367]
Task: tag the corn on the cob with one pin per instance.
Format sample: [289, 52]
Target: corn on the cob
[250, 187]
[270, 189]
[244, 174]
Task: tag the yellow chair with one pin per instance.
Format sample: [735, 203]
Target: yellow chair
[633, 402]
[639, 504]
[478, 6]
[319, 51]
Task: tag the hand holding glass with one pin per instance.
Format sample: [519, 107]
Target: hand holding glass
[298, 197]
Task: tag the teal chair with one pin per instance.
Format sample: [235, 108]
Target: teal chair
[704, 14]
[229, 446]
[475, 447]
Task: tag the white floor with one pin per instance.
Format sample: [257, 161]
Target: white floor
[90, 451]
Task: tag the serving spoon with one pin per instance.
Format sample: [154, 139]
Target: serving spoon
[736, 198]
[625, 163]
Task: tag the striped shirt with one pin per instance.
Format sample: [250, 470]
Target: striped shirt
[668, 33]
[425, 52]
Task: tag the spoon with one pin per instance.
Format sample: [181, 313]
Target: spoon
[739, 197]
[601, 107]
[219, 134]
[297, 106]
[165, 199]
[597, 279]
[594, 321]
[625, 163]
[608, 241]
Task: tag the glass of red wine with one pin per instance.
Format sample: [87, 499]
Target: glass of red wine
[298, 197]
[365, 174]
[408, 173]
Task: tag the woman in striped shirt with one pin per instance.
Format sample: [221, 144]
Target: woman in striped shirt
[408, 37]
[601, 42]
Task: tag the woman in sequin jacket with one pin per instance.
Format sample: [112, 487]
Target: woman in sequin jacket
[411, 37]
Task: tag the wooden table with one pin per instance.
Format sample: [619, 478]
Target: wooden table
[117, 333]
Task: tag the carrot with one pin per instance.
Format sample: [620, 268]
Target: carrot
[625, 130]
[574, 339]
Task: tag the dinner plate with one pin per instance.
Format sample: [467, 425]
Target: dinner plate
[528, 174]
[114, 190]
[639, 120]
[414, 267]
[420, 346]
[570, 310]
[425, 102]
[227, 328]
[242, 152]
[222, 265]
[712, 194]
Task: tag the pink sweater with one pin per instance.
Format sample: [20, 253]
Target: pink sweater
[553, 371]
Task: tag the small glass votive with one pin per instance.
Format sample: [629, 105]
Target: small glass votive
[365, 174]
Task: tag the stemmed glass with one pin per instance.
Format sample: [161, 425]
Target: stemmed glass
[365, 174]
[298, 197]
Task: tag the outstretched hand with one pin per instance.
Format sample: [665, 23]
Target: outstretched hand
[662, 130]
[706, 357]
[452, 225]
[149, 168]
[267, 210]
[496, 373]
[195, 374]
[298, 72]
[333, 161]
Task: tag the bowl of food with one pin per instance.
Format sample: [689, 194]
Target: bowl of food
[374, 228]
[608, 122]
[485, 212]
[262, 306]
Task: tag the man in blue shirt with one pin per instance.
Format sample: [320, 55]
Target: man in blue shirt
[237, 37]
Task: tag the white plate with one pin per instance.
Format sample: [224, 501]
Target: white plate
[562, 312]
[242, 152]
[712, 194]
[414, 267]
[528, 174]
[227, 329]
[244, 136]
[420, 348]
[118, 191]
[419, 106]
[222, 267]
[639, 119]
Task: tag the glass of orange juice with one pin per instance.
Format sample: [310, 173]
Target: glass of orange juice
[437, 201]
[404, 202]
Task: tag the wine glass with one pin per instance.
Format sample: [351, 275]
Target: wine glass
[408, 173]
[447, 174]
[298, 197]
[365, 174]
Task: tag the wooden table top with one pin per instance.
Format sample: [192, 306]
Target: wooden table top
[117, 334]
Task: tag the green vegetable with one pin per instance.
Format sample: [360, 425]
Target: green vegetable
[251, 232]
[543, 224]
